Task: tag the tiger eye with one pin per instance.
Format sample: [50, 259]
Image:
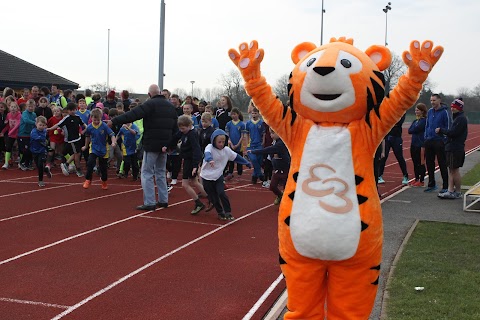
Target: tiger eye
[311, 61]
[346, 63]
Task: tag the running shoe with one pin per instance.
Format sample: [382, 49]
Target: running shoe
[22, 166]
[277, 201]
[169, 188]
[380, 180]
[87, 184]
[41, 184]
[47, 171]
[431, 189]
[405, 180]
[64, 168]
[104, 185]
[79, 174]
[228, 216]
[197, 209]
[173, 182]
[5, 166]
[71, 168]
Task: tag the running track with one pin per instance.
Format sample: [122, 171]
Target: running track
[70, 253]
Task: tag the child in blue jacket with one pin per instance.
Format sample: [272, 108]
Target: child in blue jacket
[38, 148]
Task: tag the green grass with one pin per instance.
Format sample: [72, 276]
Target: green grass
[472, 176]
[444, 259]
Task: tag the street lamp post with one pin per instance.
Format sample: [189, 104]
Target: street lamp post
[386, 9]
[192, 82]
[108, 61]
[321, 29]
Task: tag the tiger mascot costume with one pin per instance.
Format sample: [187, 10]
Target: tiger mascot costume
[330, 219]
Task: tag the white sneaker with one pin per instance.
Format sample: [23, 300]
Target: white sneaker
[169, 175]
[169, 188]
[174, 181]
[5, 166]
[71, 168]
[64, 168]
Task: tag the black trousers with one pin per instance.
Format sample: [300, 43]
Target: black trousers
[418, 166]
[278, 177]
[436, 148]
[39, 159]
[231, 165]
[131, 161]
[395, 143]
[24, 149]
[216, 193]
[102, 166]
[174, 165]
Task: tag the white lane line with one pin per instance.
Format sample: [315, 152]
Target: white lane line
[36, 303]
[186, 221]
[91, 231]
[148, 265]
[401, 201]
[36, 190]
[21, 178]
[67, 204]
[262, 299]
[94, 183]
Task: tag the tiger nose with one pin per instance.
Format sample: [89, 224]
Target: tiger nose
[323, 71]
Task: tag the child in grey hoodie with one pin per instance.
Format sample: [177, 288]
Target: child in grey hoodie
[216, 157]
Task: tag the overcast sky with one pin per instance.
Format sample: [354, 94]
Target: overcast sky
[69, 38]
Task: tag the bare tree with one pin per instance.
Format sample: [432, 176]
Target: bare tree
[182, 93]
[100, 87]
[281, 88]
[212, 94]
[396, 69]
[232, 84]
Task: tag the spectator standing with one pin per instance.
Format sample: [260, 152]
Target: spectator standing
[417, 151]
[455, 149]
[222, 114]
[159, 124]
[35, 94]
[437, 117]
[235, 130]
[256, 133]
[393, 140]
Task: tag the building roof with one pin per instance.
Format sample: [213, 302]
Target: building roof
[18, 73]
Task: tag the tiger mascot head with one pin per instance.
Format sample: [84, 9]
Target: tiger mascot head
[337, 82]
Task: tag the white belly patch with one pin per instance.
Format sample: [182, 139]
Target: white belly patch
[325, 220]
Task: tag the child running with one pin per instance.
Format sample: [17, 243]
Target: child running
[38, 148]
[191, 155]
[97, 133]
[11, 129]
[71, 125]
[27, 123]
[216, 157]
[280, 163]
[129, 133]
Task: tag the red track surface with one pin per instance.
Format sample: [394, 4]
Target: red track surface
[88, 254]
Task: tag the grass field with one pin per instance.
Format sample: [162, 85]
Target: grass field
[444, 259]
[472, 177]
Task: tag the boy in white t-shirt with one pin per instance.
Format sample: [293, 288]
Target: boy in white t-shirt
[216, 157]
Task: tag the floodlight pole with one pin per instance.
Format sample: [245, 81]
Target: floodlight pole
[161, 55]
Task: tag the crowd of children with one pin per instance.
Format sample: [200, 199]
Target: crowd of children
[208, 144]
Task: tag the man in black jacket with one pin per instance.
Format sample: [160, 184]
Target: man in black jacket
[455, 149]
[159, 123]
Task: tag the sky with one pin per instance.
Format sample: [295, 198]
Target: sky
[70, 38]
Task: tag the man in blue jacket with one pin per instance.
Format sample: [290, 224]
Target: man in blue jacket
[437, 117]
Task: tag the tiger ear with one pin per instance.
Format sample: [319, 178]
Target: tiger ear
[301, 50]
[380, 55]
